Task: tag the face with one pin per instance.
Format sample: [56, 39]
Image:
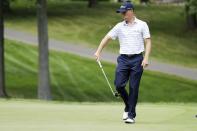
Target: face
[128, 15]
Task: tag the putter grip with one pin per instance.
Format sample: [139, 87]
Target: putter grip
[99, 63]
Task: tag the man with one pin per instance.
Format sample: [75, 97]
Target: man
[132, 34]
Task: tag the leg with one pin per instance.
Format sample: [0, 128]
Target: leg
[135, 77]
[121, 79]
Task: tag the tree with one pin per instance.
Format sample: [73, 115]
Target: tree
[6, 5]
[191, 13]
[92, 3]
[2, 70]
[144, 1]
[44, 91]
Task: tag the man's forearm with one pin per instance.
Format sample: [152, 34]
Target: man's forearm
[147, 48]
[103, 43]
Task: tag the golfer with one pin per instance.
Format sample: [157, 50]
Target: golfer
[132, 34]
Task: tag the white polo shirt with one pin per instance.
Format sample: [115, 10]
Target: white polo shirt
[131, 36]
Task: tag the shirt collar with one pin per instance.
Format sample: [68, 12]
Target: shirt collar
[134, 22]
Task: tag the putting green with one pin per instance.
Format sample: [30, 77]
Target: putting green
[28, 115]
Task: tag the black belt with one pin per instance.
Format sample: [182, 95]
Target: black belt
[131, 55]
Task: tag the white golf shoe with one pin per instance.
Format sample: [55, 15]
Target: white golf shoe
[125, 115]
[130, 121]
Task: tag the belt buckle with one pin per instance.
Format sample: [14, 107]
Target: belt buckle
[130, 55]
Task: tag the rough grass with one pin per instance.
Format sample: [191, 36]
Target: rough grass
[74, 78]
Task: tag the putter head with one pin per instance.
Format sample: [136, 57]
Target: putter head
[116, 94]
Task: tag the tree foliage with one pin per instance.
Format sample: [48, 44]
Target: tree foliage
[191, 13]
[192, 5]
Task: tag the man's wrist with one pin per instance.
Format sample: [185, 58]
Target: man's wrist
[146, 58]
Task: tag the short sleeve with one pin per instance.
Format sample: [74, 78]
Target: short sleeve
[113, 33]
[145, 31]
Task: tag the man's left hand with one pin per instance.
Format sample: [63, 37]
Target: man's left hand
[144, 63]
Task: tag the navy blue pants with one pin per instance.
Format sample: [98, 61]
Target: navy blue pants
[129, 68]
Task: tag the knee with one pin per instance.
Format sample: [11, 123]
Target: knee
[119, 86]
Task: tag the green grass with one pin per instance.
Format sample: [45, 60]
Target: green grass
[74, 78]
[52, 116]
[74, 22]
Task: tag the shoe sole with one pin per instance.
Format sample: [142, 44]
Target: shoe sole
[129, 122]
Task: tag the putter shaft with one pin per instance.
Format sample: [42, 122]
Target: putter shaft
[100, 65]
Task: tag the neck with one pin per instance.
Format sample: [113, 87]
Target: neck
[131, 20]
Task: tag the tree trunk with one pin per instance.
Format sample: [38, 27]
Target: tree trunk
[92, 3]
[44, 91]
[2, 70]
[6, 5]
[191, 19]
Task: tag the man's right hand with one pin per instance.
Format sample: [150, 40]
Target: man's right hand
[97, 55]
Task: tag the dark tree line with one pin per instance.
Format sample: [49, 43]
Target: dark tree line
[191, 13]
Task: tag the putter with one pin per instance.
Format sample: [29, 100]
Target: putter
[114, 93]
